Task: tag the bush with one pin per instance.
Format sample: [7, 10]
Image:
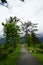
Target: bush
[14, 45]
[41, 46]
[4, 52]
[39, 51]
[3, 55]
[11, 50]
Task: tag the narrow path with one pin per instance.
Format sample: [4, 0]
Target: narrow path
[25, 58]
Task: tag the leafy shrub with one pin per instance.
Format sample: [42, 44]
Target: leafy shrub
[39, 51]
[3, 55]
[11, 50]
[5, 51]
[14, 45]
[41, 46]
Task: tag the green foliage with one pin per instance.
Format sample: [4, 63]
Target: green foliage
[11, 31]
[12, 58]
[34, 39]
[11, 38]
[37, 53]
[28, 40]
[11, 49]
[40, 51]
[30, 35]
[3, 54]
[38, 57]
[41, 46]
[35, 49]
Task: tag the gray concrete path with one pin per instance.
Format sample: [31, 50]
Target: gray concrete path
[25, 58]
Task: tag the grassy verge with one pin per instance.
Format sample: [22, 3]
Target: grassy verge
[12, 58]
[38, 56]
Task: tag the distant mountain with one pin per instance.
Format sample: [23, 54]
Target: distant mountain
[2, 40]
[22, 39]
[41, 38]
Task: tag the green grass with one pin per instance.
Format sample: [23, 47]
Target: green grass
[38, 56]
[12, 58]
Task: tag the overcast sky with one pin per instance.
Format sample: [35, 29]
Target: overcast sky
[31, 10]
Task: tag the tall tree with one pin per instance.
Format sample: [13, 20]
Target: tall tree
[11, 32]
[30, 35]
[33, 34]
[26, 29]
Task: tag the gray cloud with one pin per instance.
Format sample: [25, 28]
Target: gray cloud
[29, 10]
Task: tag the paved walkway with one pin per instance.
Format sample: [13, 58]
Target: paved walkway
[25, 58]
